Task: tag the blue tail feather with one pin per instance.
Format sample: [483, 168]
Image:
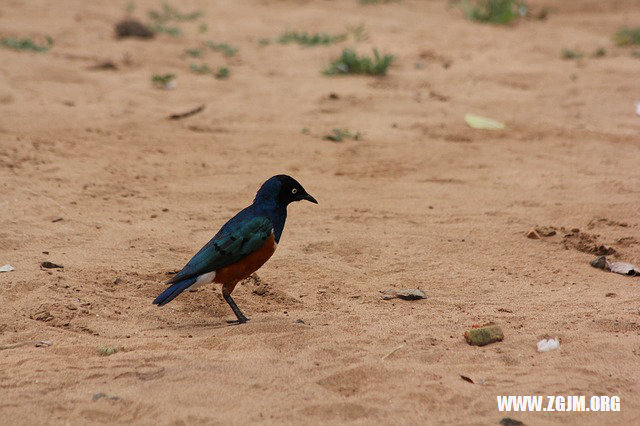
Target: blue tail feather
[172, 292]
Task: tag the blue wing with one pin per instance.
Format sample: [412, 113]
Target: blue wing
[242, 235]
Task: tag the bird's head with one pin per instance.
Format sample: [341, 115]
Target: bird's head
[283, 190]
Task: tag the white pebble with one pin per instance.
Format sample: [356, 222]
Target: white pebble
[6, 268]
[545, 345]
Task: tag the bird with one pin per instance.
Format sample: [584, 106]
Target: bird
[242, 245]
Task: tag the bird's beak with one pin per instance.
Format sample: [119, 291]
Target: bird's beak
[310, 198]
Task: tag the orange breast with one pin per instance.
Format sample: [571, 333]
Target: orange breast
[230, 275]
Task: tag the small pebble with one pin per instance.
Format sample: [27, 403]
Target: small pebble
[484, 335]
[533, 234]
[508, 421]
[405, 294]
[50, 265]
[546, 345]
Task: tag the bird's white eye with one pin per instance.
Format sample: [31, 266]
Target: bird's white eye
[294, 190]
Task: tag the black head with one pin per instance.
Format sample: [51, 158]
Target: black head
[291, 190]
[283, 190]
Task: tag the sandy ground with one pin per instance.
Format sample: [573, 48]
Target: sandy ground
[422, 201]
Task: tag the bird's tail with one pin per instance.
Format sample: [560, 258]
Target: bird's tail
[173, 291]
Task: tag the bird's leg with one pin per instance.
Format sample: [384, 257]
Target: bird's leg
[236, 310]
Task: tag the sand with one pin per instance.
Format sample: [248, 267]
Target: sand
[94, 177]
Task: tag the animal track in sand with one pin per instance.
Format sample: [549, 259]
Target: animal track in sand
[353, 380]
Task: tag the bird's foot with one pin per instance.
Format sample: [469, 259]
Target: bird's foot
[241, 318]
[238, 321]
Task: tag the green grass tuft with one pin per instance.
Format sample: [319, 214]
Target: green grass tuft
[163, 81]
[494, 11]
[200, 69]
[108, 350]
[627, 36]
[306, 39]
[571, 54]
[170, 13]
[172, 31]
[338, 135]
[131, 7]
[26, 44]
[226, 49]
[194, 53]
[350, 63]
[221, 73]
[358, 33]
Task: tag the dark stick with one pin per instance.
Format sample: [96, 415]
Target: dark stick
[186, 114]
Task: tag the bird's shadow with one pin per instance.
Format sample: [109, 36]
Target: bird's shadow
[208, 325]
[237, 322]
